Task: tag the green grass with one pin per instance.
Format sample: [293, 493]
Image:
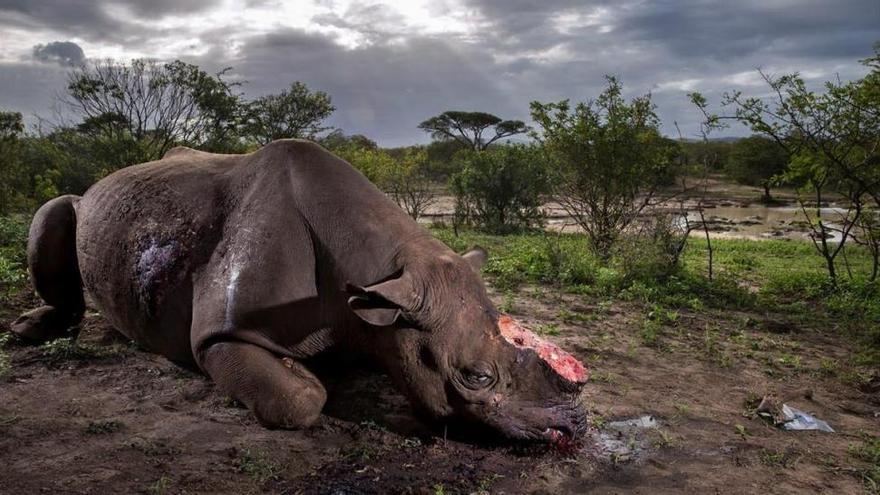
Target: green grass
[257, 465]
[868, 451]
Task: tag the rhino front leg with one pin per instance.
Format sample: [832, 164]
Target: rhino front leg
[281, 393]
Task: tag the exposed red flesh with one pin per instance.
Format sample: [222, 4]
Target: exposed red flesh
[566, 365]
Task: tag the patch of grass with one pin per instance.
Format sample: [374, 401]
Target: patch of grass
[508, 305]
[69, 349]
[661, 438]
[783, 459]
[650, 332]
[550, 329]
[13, 256]
[5, 361]
[257, 465]
[603, 377]
[104, 427]
[868, 451]
[574, 316]
[151, 447]
[485, 484]
[161, 486]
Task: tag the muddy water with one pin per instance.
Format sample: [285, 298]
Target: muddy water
[726, 219]
[765, 222]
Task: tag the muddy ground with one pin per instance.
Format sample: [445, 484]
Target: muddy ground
[106, 417]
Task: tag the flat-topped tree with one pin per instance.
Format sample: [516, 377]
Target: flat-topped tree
[468, 128]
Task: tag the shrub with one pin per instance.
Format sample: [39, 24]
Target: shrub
[653, 251]
[500, 190]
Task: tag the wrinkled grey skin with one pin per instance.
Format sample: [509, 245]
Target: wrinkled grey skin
[247, 266]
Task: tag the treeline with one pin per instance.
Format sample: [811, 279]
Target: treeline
[604, 161]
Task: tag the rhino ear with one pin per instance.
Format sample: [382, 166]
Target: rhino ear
[383, 303]
[476, 257]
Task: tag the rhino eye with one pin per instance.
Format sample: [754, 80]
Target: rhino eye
[478, 378]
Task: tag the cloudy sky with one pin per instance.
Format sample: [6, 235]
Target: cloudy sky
[389, 65]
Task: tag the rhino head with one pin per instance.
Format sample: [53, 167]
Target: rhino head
[458, 358]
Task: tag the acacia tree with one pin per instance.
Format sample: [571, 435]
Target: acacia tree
[609, 160]
[293, 113]
[468, 128]
[144, 108]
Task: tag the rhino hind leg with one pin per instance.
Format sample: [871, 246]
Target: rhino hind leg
[281, 393]
[54, 271]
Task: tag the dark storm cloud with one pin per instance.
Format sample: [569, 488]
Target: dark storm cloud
[91, 19]
[75, 17]
[382, 90]
[64, 53]
[31, 88]
[520, 51]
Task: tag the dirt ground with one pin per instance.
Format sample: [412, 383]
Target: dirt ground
[110, 418]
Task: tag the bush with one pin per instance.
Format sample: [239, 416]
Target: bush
[13, 256]
[653, 251]
[500, 190]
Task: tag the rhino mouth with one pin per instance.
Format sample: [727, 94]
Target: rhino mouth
[564, 424]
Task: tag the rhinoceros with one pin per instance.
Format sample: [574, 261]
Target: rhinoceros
[248, 267]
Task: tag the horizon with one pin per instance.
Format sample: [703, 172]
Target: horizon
[389, 66]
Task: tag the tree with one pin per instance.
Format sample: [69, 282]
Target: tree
[293, 113]
[338, 140]
[468, 127]
[408, 183]
[501, 190]
[609, 160]
[144, 108]
[756, 161]
[11, 129]
[832, 140]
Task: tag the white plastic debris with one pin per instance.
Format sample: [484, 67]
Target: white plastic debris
[795, 419]
[647, 421]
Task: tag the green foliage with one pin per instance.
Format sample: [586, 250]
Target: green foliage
[501, 189]
[653, 251]
[757, 161]
[609, 160]
[408, 181]
[376, 164]
[294, 113]
[13, 256]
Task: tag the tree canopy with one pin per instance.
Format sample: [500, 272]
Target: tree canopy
[293, 113]
[468, 128]
[756, 161]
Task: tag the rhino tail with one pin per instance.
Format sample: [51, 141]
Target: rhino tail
[54, 272]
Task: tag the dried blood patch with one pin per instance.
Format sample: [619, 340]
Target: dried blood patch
[562, 362]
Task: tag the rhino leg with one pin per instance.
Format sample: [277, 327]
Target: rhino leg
[281, 393]
[54, 271]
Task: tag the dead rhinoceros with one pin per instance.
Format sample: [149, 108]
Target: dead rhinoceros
[248, 266]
